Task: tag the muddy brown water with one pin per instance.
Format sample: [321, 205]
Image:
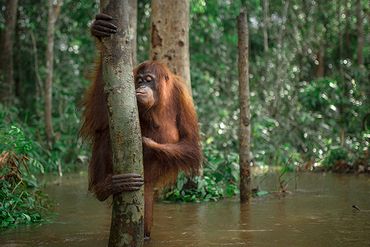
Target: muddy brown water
[318, 213]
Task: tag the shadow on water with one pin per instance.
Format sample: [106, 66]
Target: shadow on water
[319, 213]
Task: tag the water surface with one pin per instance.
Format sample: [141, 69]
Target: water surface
[318, 213]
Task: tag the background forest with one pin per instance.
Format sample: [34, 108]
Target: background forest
[309, 82]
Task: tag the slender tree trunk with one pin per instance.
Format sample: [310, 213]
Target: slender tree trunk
[7, 85]
[280, 60]
[265, 25]
[127, 228]
[54, 9]
[360, 33]
[38, 84]
[170, 36]
[340, 36]
[244, 128]
[320, 71]
[347, 29]
[133, 29]
[342, 136]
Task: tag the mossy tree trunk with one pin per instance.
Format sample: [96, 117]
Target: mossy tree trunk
[127, 228]
[244, 127]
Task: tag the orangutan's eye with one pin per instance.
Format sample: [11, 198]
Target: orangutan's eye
[148, 78]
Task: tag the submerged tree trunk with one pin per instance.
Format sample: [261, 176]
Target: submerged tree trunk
[133, 29]
[127, 228]
[170, 36]
[54, 9]
[7, 85]
[244, 127]
[360, 34]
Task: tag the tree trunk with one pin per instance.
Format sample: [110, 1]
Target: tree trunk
[265, 25]
[244, 127]
[360, 34]
[54, 9]
[170, 36]
[340, 36]
[347, 29]
[7, 87]
[38, 84]
[133, 29]
[127, 228]
[320, 71]
[280, 60]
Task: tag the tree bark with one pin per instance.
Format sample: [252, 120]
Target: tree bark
[54, 9]
[133, 29]
[280, 60]
[265, 25]
[347, 29]
[127, 228]
[38, 84]
[170, 36]
[360, 33]
[320, 71]
[340, 35]
[244, 127]
[7, 89]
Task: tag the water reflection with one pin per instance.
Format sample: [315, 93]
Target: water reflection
[319, 213]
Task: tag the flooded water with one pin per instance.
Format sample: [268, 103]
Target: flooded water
[318, 213]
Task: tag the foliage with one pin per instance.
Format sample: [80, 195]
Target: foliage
[294, 111]
[195, 189]
[220, 179]
[334, 155]
[21, 201]
[67, 150]
[19, 205]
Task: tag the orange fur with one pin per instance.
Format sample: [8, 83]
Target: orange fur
[171, 123]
